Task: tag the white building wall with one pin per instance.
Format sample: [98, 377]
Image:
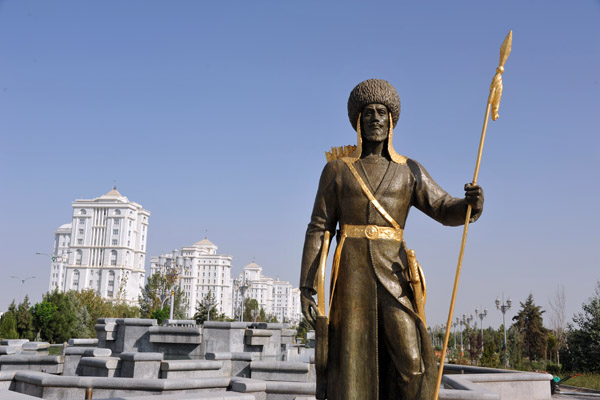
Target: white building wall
[106, 250]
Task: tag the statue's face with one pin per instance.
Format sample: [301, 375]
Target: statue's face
[375, 123]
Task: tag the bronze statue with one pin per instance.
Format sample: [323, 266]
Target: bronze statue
[378, 342]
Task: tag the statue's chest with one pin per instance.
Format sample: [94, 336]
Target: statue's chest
[391, 184]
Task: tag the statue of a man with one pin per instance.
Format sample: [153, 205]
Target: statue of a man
[378, 345]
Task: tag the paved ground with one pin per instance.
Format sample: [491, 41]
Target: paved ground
[573, 393]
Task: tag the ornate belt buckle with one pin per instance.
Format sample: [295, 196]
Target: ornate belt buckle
[372, 232]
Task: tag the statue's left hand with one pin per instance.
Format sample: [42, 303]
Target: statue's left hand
[309, 306]
[474, 196]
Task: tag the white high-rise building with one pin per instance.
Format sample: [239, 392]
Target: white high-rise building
[283, 301]
[201, 271]
[277, 298]
[103, 248]
[260, 288]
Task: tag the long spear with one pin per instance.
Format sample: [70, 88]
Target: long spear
[493, 104]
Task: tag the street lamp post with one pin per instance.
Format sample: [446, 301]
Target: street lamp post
[504, 307]
[209, 303]
[462, 324]
[467, 323]
[172, 267]
[481, 316]
[242, 284]
[454, 325]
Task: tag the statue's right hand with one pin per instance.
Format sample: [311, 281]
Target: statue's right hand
[309, 306]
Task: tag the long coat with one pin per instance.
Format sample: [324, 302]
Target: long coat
[378, 348]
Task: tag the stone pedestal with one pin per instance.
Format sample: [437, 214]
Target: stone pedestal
[177, 341]
[133, 335]
[141, 365]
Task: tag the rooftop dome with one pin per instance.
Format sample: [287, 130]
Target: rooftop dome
[204, 243]
[253, 265]
[113, 193]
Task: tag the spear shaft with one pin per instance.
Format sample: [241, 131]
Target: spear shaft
[493, 103]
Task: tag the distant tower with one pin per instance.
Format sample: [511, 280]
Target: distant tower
[103, 248]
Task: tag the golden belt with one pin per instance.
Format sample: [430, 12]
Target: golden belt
[372, 232]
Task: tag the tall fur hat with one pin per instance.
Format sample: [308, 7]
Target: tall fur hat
[373, 91]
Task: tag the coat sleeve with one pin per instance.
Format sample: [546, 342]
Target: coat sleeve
[431, 199]
[324, 218]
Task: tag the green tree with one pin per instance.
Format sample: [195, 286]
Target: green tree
[262, 316]
[201, 314]
[156, 294]
[161, 314]
[43, 313]
[582, 353]
[302, 328]
[24, 318]
[530, 325]
[249, 306]
[8, 326]
[61, 316]
[515, 347]
[96, 307]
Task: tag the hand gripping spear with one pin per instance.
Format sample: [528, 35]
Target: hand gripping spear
[493, 104]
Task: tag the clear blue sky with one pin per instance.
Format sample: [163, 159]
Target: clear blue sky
[215, 117]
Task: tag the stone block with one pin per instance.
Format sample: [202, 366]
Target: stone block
[289, 390]
[173, 369]
[13, 342]
[100, 366]
[36, 346]
[179, 322]
[6, 394]
[133, 335]
[255, 387]
[141, 365]
[257, 337]
[67, 387]
[194, 396]
[176, 334]
[32, 362]
[281, 371]
[219, 337]
[6, 380]
[106, 331]
[238, 362]
[4, 350]
[76, 342]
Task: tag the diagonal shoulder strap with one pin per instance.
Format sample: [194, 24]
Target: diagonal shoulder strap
[367, 192]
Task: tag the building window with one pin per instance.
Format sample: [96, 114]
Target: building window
[81, 231]
[79, 241]
[113, 257]
[115, 242]
[117, 212]
[82, 220]
[111, 284]
[115, 231]
[75, 284]
[117, 221]
[82, 212]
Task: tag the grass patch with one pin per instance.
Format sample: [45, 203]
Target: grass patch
[589, 381]
[55, 350]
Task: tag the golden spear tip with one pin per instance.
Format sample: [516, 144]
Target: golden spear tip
[505, 49]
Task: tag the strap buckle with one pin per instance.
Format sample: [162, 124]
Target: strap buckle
[372, 232]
